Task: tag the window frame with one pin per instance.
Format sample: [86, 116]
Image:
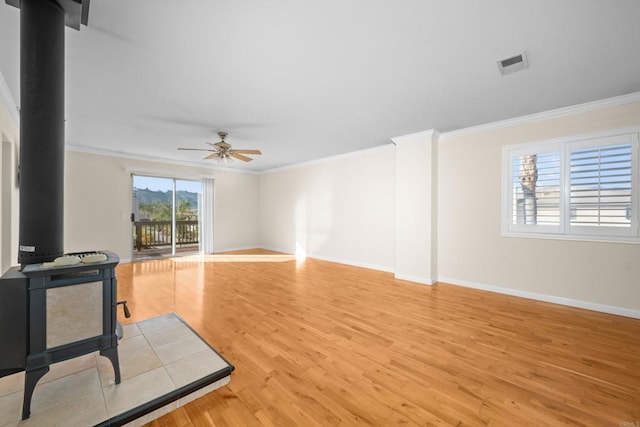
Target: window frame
[564, 147]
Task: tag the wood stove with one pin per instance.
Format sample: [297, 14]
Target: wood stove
[53, 314]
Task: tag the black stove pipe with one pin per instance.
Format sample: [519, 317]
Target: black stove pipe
[41, 131]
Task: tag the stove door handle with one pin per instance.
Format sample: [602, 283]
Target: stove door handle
[127, 313]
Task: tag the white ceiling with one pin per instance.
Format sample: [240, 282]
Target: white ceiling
[302, 80]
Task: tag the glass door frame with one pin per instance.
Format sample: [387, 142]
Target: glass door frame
[174, 203]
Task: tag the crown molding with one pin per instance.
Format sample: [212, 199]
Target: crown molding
[147, 158]
[431, 133]
[7, 100]
[330, 159]
[547, 115]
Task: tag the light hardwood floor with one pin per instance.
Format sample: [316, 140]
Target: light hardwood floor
[318, 343]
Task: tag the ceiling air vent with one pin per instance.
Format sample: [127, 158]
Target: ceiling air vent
[513, 64]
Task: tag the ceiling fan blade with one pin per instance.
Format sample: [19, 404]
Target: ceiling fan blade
[247, 151]
[241, 157]
[211, 156]
[195, 149]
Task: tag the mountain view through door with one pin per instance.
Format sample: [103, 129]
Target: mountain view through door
[165, 216]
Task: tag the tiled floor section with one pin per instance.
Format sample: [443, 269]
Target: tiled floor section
[157, 357]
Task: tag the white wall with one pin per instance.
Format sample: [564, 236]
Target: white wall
[416, 175]
[341, 209]
[98, 202]
[471, 250]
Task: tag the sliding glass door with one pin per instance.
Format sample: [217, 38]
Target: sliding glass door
[165, 216]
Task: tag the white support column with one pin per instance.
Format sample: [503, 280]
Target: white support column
[416, 210]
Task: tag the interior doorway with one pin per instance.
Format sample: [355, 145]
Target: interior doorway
[165, 216]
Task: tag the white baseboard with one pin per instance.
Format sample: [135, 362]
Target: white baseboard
[353, 263]
[125, 260]
[620, 311]
[239, 248]
[415, 279]
[339, 260]
[274, 249]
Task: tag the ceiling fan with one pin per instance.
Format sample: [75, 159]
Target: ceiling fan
[223, 151]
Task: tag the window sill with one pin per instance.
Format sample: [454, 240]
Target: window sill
[579, 238]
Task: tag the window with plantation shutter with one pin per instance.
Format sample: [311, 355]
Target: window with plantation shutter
[578, 188]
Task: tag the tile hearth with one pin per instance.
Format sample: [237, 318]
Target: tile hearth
[162, 361]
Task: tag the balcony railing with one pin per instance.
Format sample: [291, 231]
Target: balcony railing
[155, 234]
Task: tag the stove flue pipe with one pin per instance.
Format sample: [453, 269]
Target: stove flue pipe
[42, 26]
[41, 131]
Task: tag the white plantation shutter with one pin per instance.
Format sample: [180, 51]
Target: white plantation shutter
[583, 188]
[601, 186]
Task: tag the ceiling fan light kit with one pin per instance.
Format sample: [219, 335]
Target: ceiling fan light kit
[224, 152]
